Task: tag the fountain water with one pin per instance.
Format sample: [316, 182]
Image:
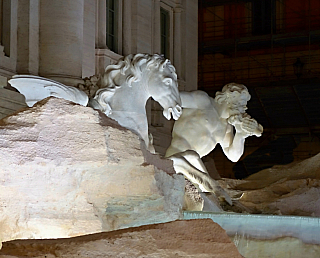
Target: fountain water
[274, 234]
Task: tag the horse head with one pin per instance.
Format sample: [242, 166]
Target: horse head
[152, 75]
[128, 84]
[162, 86]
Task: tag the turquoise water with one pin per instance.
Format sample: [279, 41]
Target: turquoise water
[307, 229]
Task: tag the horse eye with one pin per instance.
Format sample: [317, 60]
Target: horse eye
[167, 81]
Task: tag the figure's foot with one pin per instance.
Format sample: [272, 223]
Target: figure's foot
[210, 185]
[183, 163]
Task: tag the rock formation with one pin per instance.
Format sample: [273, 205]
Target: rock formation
[292, 189]
[193, 238]
[68, 170]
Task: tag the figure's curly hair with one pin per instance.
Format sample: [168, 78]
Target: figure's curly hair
[231, 89]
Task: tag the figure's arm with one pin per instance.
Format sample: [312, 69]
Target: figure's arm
[195, 99]
[233, 145]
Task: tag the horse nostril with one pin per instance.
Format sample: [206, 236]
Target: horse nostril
[178, 109]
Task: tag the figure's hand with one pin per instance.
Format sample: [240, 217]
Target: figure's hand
[249, 127]
[211, 185]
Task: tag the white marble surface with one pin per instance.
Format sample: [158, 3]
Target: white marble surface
[35, 88]
[127, 85]
[206, 122]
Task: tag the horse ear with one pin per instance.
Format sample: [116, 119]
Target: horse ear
[165, 64]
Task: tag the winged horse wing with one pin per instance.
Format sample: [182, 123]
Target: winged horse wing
[35, 88]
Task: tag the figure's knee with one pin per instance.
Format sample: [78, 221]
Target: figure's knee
[178, 145]
[171, 151]
[190, 153]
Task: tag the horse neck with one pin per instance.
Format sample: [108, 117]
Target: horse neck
[130, 99]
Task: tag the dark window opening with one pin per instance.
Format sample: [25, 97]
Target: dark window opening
[5, 22]
[112, 24]
[165, 32]
[263, 17]
[1, 21]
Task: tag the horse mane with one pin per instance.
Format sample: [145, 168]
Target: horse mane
[132, 67]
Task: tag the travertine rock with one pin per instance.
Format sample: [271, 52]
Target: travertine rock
[292, 189]
[193, 238]
[68, 170]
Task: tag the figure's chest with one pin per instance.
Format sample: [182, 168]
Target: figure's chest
[214, 131]
[217, 128]
[220, 133]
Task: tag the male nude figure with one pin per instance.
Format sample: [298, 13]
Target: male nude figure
[206, 122]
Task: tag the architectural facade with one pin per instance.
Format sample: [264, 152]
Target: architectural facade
[69, 40]
[272, 47]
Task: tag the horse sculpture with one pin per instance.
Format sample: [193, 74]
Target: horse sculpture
[125, 89]
[127, 85]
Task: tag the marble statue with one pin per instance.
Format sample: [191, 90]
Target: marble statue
[127, 85]
[206, 122]
[124, 90]
[35, 88]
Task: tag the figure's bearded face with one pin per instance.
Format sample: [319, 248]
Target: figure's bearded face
[237, 107]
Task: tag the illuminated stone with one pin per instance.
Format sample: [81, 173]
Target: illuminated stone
[193, 238]
[292, 189]
[68, 170]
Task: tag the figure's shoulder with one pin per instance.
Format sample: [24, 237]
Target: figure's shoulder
[195, 93]
[195, 99]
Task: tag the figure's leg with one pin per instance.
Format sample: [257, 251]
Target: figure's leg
[182, 165]
[193, 158]
[179, 145]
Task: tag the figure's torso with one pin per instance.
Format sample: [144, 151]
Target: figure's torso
[199, 130]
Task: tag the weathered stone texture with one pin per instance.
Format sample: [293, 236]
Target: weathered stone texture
[292, 189]
[68, 170]
[193, 238]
